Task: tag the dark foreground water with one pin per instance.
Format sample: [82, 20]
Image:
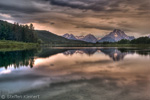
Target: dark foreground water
[75, 74]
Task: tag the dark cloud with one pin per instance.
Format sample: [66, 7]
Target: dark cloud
[20, 6]
[85, 5]
[100, 27]
[103, 5]
[80, 15]
[30, 10]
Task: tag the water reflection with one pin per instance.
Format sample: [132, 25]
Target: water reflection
[140, 51]
[82, 74]
[26, 57]
[81, 51]
[113, 53]
[17, 58]
[116, 54]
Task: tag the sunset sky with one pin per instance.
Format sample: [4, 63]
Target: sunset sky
[80, 17]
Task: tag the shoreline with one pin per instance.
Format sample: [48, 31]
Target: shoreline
[6, 45]
[95, 45]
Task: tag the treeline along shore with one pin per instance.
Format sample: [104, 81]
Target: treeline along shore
[16, 36]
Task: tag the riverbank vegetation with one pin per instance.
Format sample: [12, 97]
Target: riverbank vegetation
[6, 45]
[140, 40]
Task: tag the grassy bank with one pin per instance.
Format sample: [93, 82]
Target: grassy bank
[96, 45]
[13, 45]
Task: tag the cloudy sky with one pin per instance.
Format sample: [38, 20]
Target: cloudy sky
[80, 17]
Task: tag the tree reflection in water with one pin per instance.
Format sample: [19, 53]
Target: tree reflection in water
[17, 58]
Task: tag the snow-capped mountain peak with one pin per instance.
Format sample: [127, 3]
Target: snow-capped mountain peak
[90, 38]
[80, 37]
[69, 36]
[115, 36]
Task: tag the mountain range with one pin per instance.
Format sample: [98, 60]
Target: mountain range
[114, 36]
[88, 38]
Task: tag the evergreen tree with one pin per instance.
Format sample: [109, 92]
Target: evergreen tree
[17, 32]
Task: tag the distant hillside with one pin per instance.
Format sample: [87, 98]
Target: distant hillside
[48, 37]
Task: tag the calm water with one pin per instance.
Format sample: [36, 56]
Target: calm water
[76, 74]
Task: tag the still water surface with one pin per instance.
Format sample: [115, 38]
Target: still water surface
[77, 73]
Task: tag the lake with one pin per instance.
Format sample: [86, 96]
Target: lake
[76, 74]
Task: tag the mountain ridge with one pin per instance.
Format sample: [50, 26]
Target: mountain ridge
[88, 38]
[114, 36]
[48, 37]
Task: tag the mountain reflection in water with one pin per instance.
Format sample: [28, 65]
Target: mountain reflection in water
[113, 53]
